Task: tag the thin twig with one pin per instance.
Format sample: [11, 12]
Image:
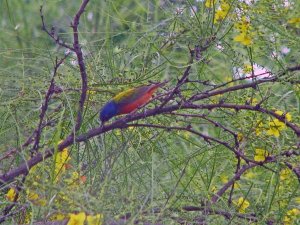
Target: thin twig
[45, 104]
[52, 33]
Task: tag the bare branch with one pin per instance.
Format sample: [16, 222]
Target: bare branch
[45, 104]
[236, 177]
[83, 74]
[52, 34]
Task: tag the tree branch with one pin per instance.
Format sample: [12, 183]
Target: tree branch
[78, 52]
[52, 33]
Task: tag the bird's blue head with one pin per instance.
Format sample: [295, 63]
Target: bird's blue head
[108, 111]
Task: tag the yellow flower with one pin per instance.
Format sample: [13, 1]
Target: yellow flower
[275, 126]
[240, 137]
[35, 198]
[288, 116]
[32, 196]
[243, 38]
[260, 155]
[243, 26]
[290, 216]
[252, 101]
[285, 174]
[94, 220]
[186, 134]
[27, 218]
[242, 204]
[76, 219]
[11, 194]
[294, 212]
[250, 175]
[210, 3]
[63, 156]
[294, 20]
[222, 12]
[213, 189]
[61, 159]
[90, 92]
[224, 179]
[247, 68]
[236, 185]
[58, 217]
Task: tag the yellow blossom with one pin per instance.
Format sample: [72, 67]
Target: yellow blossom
[254, 101]
[76, 219]
[186, 134]
[11, 194]
[240, 137]
[260, 155]
[213, 189]
[222, 12]
[35, 198]
[288, 116]
[32, 196]
[275, 126]
[210, 3]
[242, 204]
[243, 38]
[250, 175]
[224, 179]
[219, 15]
[285, 174]
[58, 217]
[290, 216]
[90, 92]
[247, 68]
[294, 20]
[27, 218]
[94, 220]
[60, 160]
[297, 200]
[236, 185]
[243, 26]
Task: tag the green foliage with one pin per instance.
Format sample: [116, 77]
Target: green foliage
[140, 169]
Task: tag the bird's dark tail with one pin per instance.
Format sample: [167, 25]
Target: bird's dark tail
[154, 86]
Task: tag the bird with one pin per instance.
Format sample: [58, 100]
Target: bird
[128, 101]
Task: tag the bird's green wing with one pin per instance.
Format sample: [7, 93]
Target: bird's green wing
[131, 95]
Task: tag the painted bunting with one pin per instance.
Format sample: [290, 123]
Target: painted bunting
[127, 101]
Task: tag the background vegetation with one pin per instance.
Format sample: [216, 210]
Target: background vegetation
[228, 153]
